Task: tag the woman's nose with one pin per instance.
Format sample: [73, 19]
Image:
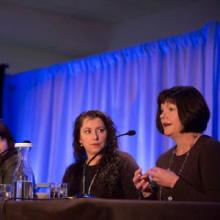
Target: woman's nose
[162, 115]
[96, 135]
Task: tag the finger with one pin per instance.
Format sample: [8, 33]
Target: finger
[145, 175]
[137, 176]
[154, 172]
[155, 169]
[145, 186]
[150, 171]
[136, 180]
[139, 185]
[155, 179]
[138, 172]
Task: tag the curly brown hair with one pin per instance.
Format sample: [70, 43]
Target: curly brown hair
[111, 142]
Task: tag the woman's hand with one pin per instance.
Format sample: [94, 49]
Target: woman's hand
[141, 183]
[163, 177]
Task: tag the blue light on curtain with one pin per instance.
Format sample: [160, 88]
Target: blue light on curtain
[41, 105]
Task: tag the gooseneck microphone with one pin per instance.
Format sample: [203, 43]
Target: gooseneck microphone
[129, 133]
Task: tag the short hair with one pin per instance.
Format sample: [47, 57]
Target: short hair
[192, 108]
[111, 141]
[6, 134]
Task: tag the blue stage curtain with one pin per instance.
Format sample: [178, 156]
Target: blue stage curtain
[41, 105]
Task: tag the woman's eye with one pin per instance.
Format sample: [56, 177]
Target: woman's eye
[172, 109]
[101, 130]
[87, 131]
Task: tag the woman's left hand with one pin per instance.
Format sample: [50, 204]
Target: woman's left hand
[163, 177]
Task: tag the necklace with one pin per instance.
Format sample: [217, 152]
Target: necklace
[178, 173]
[183, 164]
[84, 180]
[181, 167]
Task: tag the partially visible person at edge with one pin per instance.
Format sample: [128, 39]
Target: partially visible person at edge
[8, 155]
[190, 171]
[110, 174]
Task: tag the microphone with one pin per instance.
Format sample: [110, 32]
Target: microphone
[129, 133]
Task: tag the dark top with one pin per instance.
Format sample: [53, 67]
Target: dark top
[8, 162]
[111, 179]
[200, 176]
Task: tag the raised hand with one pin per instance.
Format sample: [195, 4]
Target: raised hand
[163, 177]
[141, 183]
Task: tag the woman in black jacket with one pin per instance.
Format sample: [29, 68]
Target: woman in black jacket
[190, 170]
[100, 169]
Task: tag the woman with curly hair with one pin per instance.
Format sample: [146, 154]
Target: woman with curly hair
[100, 169]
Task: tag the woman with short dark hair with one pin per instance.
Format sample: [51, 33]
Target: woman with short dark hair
[190, 170]
[8, 154]
[100, 169]
[192, 108]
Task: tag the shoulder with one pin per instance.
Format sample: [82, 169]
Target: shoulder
[126, 159]
[166, 155]
[74, 166]
[73, 169]
[124, 155]
[207, 145]
[207, 140]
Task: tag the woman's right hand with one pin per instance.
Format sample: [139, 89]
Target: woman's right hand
[141, 183]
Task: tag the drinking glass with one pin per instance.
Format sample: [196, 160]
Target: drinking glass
[62, 190]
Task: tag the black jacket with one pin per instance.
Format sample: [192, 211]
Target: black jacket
[111, 178]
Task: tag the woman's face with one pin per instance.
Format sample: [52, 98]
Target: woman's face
[3, 145]
[93, 135]
[170, 119]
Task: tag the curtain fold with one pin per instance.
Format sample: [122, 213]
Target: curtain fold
[41, 105]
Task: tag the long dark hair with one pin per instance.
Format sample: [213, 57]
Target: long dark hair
[111, 142]
[6, 134]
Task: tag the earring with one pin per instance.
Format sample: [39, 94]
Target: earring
[81, 145]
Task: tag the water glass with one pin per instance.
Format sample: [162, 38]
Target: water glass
[53, 191]
[5, 191]
[59, 191]
[62, 190]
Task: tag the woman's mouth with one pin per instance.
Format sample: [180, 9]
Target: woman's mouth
[166, 124]
[96, 144]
